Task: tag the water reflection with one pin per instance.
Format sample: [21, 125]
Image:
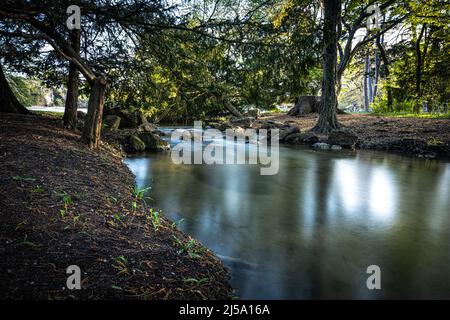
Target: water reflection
[311, 230]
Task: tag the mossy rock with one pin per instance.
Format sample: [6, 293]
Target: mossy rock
[154, 142]
[137, 144]
[112, 122]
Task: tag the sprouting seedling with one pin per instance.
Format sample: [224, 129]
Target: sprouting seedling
[67, 201]
[155, 218]
[138, 195]
[27, 179]
[190, 247]
[118, 217]
[176, 225]
[120, 263]
[196, 282]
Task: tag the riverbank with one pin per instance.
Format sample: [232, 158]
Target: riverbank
[425, 138]
[62, 204]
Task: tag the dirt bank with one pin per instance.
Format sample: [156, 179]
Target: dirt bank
[62, 204]
[428, 138]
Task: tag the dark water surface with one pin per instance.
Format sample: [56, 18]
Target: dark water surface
[312, 230]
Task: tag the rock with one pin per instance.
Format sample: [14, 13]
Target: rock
[81, 115]
[153, 142]
[305, 105]
[321, 146]
[161, 133]
[236, 131]
[286, 131]
[147, 127]
[112, 122]
[274, 124]
[254, 113]
[245, 122]
[137, 144]
[302, 138]
[129, 119]
[344, 137]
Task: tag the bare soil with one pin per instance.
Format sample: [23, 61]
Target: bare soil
[429, 138]
[120, 252]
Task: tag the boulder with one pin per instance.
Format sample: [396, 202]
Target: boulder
[344, 137]
[321, 146]
[305, 105]
[236, 131]
[81, 115]
[153, 142]
[254, 113]
[137, 144]
[245, 122]
[161, 133]
[112, 122]
[148, 127]
[286, 131]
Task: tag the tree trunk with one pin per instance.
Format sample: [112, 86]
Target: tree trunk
[419, 64]
[70, 111]
[327, 116]
[366, 84]
[8, 101]
[377, 74]
[387, 74]
[370, 77]
[93, 122]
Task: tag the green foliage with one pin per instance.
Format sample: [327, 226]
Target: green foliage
[155, 218]
[67, 201]
[190, 247]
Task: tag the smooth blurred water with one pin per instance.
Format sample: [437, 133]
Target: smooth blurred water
[312, 230]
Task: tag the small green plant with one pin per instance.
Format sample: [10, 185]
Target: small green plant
[191, 247]
[27, 179]
[120, 263]
[196, 282]
[435, 142]
[176, 225]
[118, 217]
[67, 201]
[138, 195]
[154, 217]
[38, 189]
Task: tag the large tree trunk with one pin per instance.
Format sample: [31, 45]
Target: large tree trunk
[8, 101]
[93, 121]
[327, 116]
[70, 111]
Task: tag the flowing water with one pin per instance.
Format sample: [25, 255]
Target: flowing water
[311, 231]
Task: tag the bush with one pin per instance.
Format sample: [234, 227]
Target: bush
[380, 106]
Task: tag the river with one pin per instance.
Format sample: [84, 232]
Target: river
[311, 231]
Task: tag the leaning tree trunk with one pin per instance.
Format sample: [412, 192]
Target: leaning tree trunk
[8, 101]
[93, 121]
[70, 111]
[327, 116]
